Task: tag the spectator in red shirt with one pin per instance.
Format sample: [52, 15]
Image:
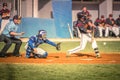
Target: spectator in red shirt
[118, 22]
[84, 12]
[111, 26]
[5, 15]
[101, 25]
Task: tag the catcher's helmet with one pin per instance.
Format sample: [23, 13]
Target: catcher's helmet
[42, 33]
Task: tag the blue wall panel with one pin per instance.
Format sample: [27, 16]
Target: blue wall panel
[62, 14]
[56, 27]
[31, 26]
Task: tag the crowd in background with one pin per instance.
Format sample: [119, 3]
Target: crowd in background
[104, 27]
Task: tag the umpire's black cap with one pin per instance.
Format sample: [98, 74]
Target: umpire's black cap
[17, 17]
[4, 4]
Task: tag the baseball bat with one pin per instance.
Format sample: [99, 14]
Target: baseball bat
[79, 34]
[93, 32]
[70, 31]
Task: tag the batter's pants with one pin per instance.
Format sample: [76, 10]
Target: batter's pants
[84, 39]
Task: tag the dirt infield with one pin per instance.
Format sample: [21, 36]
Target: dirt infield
[61, 58]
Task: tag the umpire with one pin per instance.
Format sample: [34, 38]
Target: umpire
[8, 36]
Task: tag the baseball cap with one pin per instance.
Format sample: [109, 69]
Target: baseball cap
[17, 17]
[4, 4]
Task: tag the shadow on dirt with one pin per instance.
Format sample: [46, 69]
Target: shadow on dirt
[82, 55]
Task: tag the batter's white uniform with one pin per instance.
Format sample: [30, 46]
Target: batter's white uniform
[84, 39]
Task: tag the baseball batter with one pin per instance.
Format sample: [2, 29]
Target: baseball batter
[86, 29]
[35, 41]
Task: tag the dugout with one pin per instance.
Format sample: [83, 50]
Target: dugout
[56, 14]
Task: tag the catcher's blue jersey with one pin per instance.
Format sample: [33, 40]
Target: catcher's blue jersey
[34, 42]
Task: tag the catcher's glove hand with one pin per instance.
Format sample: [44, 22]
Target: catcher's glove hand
[58, 46]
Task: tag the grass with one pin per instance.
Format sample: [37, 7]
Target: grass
[59, 71]
[63, 71]
[111, 46]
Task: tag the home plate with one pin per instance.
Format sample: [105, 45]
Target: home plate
[87, 59]
[49, 60]
[113, 61]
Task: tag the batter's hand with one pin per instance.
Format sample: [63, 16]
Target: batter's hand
[93, 39]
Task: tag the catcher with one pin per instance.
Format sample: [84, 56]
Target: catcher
[35, 41]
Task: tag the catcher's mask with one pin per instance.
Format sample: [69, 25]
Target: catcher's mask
[42, 34]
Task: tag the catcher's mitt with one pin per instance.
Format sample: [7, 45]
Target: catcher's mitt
[58, 46]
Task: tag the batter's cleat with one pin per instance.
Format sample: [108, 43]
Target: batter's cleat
[58, 46]
[98, 55]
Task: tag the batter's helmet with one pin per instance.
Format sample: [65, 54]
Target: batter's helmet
[80, 15]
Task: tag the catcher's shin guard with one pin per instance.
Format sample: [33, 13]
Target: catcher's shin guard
[28, 54]
[44, 55]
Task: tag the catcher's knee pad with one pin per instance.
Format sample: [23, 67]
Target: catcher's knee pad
[44, 55]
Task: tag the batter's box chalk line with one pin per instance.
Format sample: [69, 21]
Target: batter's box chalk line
[87, 59]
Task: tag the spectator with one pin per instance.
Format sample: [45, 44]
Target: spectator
[84, 12]
[96, 23]
[111, 26]
[101, 26]
[118, 22]
[5, 15]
